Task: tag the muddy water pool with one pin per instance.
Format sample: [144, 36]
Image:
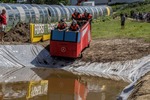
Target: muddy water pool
[62, 85]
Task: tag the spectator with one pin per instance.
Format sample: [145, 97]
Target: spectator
[132, 14]
[136, 16]
[140, 16]
[123, 18]
[126, 15]
[3, 24]
[144, 16]
[148, 17]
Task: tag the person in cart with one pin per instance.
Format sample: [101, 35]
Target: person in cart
[76, 15]
[86, 16]
[74, 26]
[62, 25]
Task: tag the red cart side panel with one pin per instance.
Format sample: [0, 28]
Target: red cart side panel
[85, 35]
[64, 49]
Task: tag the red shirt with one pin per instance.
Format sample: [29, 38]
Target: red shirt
[63, 26]
[74, 28]
[86, 17]
[3, 19]
[76, 17]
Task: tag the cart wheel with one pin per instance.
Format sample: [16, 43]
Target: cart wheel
[81, 55]
[88, 46]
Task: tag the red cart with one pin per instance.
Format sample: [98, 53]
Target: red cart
[70, 43]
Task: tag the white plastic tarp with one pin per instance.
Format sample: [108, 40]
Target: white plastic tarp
[129, 71]
[23, 55]
[17, 62]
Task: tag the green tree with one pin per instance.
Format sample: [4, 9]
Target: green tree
[39, 1]
[65, 2]
[8, 1]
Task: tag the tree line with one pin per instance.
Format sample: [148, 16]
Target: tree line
[65, 2]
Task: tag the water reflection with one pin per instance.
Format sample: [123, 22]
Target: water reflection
[62, 85]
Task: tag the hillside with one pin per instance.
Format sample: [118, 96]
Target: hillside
[137, 7]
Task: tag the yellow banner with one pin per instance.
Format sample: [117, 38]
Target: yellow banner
[37, 89]
[40, 32]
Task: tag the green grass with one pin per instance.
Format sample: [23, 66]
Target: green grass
[111, 29]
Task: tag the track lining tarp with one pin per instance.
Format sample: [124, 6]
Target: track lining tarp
[17, 62]
[129, 71]
[24, 62]
[23, 56]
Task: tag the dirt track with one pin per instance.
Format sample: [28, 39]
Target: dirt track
[109, 50]
[116, 50]
[101, 50]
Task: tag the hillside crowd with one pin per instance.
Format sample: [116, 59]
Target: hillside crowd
[140, 16]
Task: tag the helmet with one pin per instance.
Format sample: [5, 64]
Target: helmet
[75, 10]
[74, 22]
[3, 11]
[85, 12]
[62, 20]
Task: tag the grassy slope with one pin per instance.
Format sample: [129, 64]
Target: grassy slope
[137, 7]
[111, 29]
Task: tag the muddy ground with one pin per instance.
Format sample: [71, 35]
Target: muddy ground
[20, 33]
[101, 50]
[142, 89]
[107, 50]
